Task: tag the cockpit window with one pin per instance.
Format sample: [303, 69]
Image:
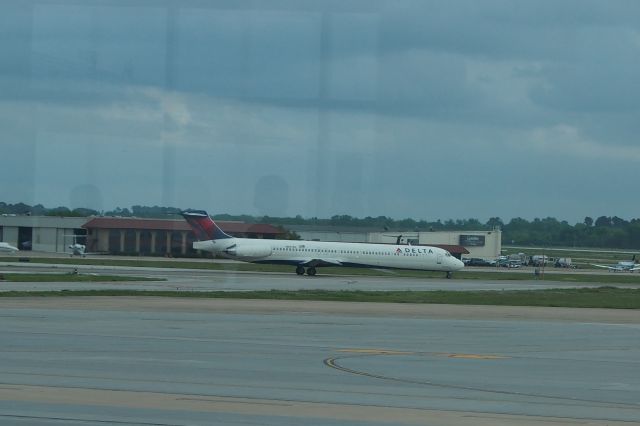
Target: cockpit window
[447, 254]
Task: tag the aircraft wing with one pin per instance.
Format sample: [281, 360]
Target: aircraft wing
[609, 267]
[635, 268]
[320, 262]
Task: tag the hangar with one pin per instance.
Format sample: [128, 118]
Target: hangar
[115, 235]
[41, 233]
[161, 237]
[482, 244]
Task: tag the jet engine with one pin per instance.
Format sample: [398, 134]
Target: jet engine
[251, 251]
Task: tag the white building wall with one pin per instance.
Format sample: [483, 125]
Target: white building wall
[44, 239]
[489, 250]
[10, 235]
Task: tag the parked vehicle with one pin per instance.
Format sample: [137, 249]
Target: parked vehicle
[520, 257]
[476, 261]
[563, 262]
[502, 261]
[514, 264]
[539, 260]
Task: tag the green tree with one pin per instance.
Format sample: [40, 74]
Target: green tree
[59, 211]
[494, 222]
[603, 221]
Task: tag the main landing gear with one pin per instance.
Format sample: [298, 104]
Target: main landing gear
[311, 271]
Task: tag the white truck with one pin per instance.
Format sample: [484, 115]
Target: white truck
[563, 262]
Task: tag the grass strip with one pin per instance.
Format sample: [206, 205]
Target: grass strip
[602, 297]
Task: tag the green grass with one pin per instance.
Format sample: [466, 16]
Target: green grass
[603, 297]
[67, 277]
[612, 278]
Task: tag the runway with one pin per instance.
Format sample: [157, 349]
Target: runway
[164, 361]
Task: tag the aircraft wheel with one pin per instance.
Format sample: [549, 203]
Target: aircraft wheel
[311, 271]
[300, 270]
[449, 275]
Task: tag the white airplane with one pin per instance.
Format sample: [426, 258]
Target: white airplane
[624, 266]
[314, 254]
[76, 248]
[7, 248]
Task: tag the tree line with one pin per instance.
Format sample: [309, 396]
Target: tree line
[601, 232]
[135, 211]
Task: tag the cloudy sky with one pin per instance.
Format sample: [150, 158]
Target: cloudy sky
[423, 109]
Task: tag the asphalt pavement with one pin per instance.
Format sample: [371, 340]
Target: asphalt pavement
[163, 361]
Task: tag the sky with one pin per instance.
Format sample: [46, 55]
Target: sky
[422, 109]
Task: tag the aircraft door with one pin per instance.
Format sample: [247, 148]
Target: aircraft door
[439, 259]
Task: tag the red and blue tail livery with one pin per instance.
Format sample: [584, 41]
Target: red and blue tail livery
[203, 226]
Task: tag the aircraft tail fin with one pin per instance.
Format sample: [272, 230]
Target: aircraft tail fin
[203, 226]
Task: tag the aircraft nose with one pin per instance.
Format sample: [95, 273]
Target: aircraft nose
[458, 264]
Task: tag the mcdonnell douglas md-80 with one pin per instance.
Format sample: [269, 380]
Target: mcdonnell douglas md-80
[314, 254]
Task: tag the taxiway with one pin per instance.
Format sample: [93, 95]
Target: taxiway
[170, 279]
[164, 361]
[176, 361]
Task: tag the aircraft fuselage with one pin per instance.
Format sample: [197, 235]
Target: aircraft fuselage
[318, 253]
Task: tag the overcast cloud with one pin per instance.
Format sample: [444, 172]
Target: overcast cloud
[423, 109]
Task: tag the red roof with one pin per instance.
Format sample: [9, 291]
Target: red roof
[176, 225]
[452, 248]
